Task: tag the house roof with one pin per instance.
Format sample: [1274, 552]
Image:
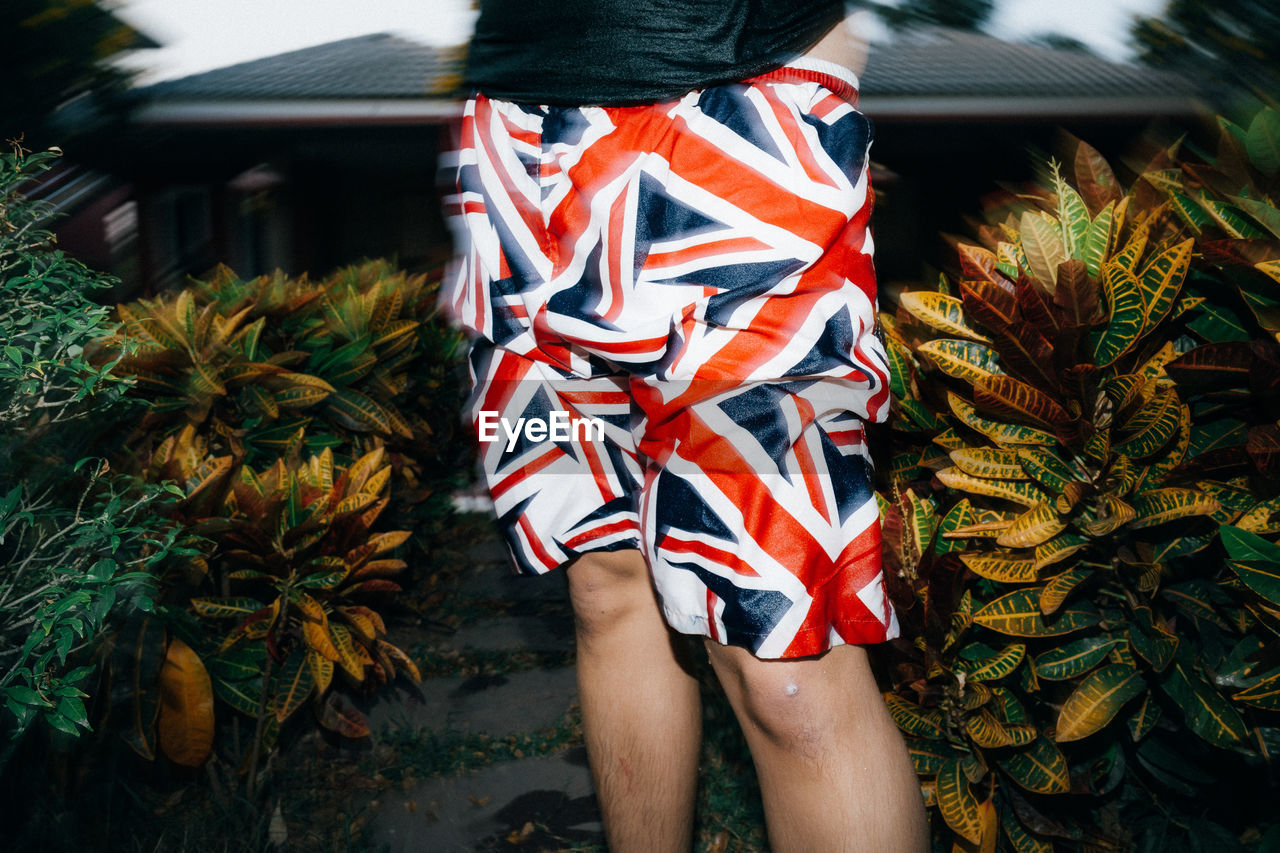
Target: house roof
[378, 78]
[380, 65]
[945, 72]
[920, 75]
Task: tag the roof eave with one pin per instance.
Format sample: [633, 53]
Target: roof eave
[261, 113]
[416, 111]
[927, 108]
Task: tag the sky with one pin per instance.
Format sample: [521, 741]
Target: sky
[199, 35]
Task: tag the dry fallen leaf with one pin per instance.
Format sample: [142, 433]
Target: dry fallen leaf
[523, 835]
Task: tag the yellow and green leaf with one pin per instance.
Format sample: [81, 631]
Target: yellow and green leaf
[1125, 314]
[928, 757]
[1018, 614]
[299, 397]
[1153, 427]
[1093, 248]
[1059, 548]
[356, 411]
[1261, 518]
[989, 463]
[1034, 527]
[958, 805]
[959, 516]
[315, 626]
[1060, 586]
[986, 731]
[1041, 768]
[225, 608]
[1097, 700]
[1018, 491]
[1144, 719]
[1002, 568]
[1161, 280]
[1150, 639]
[1042, 244]
[1046, 467]
[966, 360]
[1206, 712]
[1108, 515]
[294, 683]
[321, 671]
[911, 719]
[347, 658]
[998, 666]
[939, 311]
[1074, 658]
[1264, 694]
[1001, 433]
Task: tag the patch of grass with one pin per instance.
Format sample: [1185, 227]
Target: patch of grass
[730, 814]
[432, 753]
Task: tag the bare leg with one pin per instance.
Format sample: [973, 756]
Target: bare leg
[833, 770]
[640, 708]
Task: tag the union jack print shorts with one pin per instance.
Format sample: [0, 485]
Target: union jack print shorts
[674, 308]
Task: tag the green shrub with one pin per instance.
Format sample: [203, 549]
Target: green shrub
[76, 539]
[1082, 506]
[291, 414]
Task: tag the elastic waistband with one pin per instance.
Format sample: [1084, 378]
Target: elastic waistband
[840, 81]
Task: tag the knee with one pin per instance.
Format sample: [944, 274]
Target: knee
[780, 710]
[796, 706]
[607, 586]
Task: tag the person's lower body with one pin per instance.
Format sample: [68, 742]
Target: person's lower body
[833, 770]
[675, 307]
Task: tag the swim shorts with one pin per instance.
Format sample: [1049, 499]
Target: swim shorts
[674, 307]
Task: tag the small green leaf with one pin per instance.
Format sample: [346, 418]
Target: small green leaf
[1206, 712]
[1264, 694]
[1263, 141]
[1092, 250]
[1261, 577]
[1074, 658]
[1144, 719]
[225, 608]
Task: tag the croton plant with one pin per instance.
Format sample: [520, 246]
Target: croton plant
[1081, 509]
[291, 414]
